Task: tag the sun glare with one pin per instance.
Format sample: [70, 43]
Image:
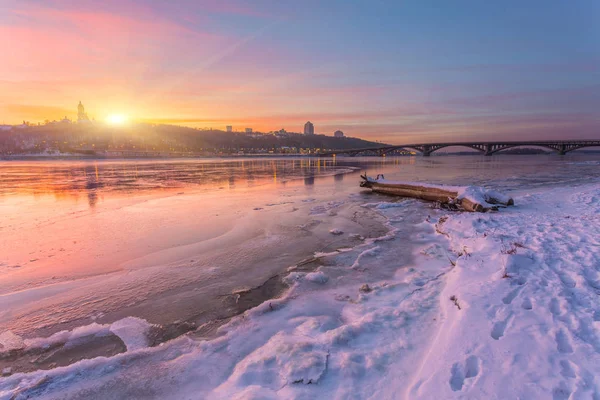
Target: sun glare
[116, 119]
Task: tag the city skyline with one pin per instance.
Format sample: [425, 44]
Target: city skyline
[406, 72]
[120, 120]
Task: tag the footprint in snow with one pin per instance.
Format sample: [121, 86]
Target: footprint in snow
[562, 392]
[556, 308]
[499, 328]
[527, 304]
[566, 369]
[563, 342]
[511, 295]
[567, 280]
[463, 371]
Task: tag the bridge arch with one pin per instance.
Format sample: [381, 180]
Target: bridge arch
[480, 148]
[405, 148]
[511, 146]
[581, 146]
[559, 147]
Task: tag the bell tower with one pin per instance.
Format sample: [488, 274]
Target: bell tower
[81, 114]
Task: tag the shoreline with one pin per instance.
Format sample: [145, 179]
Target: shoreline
[73, 157]
[59, 349]
[118, 158]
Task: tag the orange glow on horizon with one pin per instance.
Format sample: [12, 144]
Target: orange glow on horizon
[135, 58]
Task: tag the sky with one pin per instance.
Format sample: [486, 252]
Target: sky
[394, 71]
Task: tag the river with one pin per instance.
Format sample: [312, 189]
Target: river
[168, 241]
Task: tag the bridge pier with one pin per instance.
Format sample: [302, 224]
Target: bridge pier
[562, 150]
[489, 149]
[426, 151]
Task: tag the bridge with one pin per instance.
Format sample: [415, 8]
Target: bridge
[488, 148]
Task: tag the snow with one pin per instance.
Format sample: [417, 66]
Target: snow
[317, 277]
[498, 305]
[68, 337]
[480, 195]
[132, 331]
[530, 283]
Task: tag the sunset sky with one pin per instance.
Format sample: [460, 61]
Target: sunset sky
[394, 71]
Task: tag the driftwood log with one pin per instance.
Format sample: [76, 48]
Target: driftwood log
[473, 199]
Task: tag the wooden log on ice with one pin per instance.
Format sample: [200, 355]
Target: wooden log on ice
[474, 199]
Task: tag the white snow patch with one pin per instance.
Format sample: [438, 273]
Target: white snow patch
[317, 277]
[132, 331]
[68, 337]
[481, 195]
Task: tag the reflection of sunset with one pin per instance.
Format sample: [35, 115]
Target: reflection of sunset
[70, 180]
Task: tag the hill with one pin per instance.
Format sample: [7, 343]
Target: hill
[66, 137]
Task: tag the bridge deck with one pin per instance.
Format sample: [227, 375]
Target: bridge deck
[488, 148]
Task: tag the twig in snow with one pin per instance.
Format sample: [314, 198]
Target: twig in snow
[454, 299]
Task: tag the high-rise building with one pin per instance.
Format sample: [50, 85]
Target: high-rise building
[248, 130]
[309, 128]
[81, 114]
[229, 128]
[338, 134]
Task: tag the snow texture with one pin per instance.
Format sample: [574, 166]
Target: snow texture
[490, 306]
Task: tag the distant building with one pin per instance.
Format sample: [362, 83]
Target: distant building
[81, 114]
[309, 128]
[229, 128]
[248, 130]
[338, 134]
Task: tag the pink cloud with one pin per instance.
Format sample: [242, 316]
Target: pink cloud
[57, 43]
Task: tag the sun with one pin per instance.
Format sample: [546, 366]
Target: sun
[116, 119]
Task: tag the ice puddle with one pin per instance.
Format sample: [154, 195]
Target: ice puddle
[446, 305]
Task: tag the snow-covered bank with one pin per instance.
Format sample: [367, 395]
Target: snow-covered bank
[499, 305]
[528, 286]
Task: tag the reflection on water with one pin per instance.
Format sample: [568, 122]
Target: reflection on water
[94, 179]
[64, 179]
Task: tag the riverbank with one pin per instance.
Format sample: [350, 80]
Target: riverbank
[479, 301]
[61, 301]
[149, 156]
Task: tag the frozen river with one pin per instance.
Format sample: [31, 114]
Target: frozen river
[172, 241]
